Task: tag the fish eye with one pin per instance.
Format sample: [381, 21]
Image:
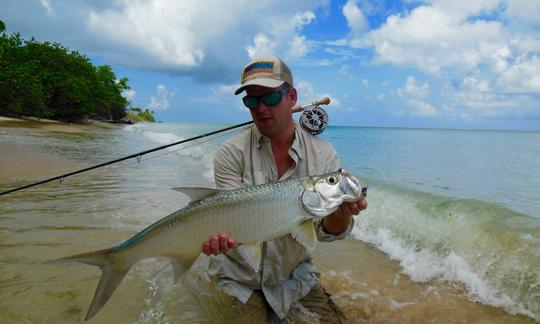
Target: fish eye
[332, 180]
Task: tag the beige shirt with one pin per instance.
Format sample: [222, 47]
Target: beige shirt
[287, 273]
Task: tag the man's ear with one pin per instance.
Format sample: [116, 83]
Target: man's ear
[293, 96]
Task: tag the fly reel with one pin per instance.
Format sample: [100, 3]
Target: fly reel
[314, 120]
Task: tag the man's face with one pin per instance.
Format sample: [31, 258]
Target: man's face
[272, 120]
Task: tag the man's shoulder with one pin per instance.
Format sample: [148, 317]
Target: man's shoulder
[315, 141]
[238, 140]
[236, 144]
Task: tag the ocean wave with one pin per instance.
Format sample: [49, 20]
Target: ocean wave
[491, 250]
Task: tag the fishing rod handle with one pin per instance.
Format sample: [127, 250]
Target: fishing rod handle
[323, 101]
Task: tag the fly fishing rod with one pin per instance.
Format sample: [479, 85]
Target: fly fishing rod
[312, 120]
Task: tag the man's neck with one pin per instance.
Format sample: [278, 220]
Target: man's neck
[285, 138]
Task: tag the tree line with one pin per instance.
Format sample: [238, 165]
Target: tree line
[47, 80]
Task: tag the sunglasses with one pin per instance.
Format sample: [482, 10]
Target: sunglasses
[268, 99]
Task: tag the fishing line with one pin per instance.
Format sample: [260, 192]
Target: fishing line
[135, 155]
[184, 148]
[313, 122]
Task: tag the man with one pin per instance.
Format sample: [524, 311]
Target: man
[275, 149]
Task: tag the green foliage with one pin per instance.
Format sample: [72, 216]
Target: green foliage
[48, 80]
[136, 114]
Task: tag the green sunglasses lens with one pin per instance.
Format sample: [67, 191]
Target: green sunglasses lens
[251, 102]
[271, 99]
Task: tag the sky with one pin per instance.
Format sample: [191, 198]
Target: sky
[410, 63]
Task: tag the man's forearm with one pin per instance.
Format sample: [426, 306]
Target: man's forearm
[340, 220]
[337, 222]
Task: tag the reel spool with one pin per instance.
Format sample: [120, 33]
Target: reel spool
[314, 120]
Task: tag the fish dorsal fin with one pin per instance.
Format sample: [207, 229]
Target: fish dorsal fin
[305, 235]
[196, 193]
[180, 267]
[252, 254]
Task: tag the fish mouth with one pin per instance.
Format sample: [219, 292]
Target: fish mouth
[351, 188]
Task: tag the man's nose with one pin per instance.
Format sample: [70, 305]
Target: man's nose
[261, 106]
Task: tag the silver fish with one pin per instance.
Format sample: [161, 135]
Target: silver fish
[250, 215]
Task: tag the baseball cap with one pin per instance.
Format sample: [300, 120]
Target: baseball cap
[266, 72]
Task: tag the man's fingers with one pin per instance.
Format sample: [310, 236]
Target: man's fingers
[214, 245]
[206, 248]
[355, 210]
[218, 244]
[231, 242]
[223, 242]
[347, 209]
[362, 204]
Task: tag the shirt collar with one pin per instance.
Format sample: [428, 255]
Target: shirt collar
[296, 146]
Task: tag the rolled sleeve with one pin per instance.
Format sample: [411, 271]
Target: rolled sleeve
[326, 237]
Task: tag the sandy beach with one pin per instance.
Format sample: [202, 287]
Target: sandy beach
[23, 161]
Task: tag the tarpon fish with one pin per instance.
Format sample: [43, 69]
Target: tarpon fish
[251, 215]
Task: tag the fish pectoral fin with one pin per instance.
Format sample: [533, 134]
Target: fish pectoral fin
[196, 193]
[305, 235]
[180, 266]
[251, 253]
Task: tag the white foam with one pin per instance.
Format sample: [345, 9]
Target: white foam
[423, 265]
[197, 152]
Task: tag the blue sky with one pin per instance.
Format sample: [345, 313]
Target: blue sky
[411, 63]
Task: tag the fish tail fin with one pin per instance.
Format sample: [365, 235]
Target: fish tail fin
[112, 274]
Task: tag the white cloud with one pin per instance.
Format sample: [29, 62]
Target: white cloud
[415, 95]
[225, 89]
[356, 20]
[345, 69]
[160, 29]
[472, 105]
[472, 84]
[414, 90]
[486, 53]
[262, 47]
[431, 39]
[203, 36]
[462, 9]
[307, 95]
[298, 47]
[528, 10]
[519, 74]
[421, 108]
[162, 100]
[129, 94]
[47, 5]
[282, 39]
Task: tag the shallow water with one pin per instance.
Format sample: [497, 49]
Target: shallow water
[442, 240]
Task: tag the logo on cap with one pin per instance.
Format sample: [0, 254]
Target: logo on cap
[266, 67]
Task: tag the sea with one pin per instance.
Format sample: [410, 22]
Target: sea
[451, 233]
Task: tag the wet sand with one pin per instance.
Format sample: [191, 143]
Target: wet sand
[21, 162]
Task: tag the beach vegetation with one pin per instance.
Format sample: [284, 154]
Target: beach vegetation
[47, 80]
[136, 114]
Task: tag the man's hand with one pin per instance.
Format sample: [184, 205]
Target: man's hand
[218, 244]
[337, 222]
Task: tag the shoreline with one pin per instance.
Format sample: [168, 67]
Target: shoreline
[52, 125]
[23, 162]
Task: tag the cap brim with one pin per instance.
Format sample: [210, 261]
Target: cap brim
[263, 82]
